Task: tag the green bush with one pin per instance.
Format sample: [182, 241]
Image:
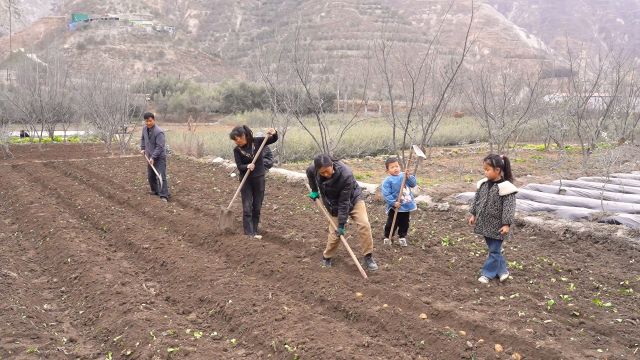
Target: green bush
[537, 147]
[75, 139]
[18, 140]
[239, 97]
[230, 97]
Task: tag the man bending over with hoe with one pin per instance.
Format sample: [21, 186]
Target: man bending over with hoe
[341, 195]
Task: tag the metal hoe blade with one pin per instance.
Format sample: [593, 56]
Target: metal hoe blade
[225, 221]
[419, 152]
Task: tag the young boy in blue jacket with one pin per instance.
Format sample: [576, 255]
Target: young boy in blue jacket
[390, 190]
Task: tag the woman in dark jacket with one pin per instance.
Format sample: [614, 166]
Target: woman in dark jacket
[253, 190]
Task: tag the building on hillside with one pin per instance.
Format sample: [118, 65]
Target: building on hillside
[78, 17]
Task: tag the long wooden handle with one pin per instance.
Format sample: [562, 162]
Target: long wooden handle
[246, 175]
[342, 239]
[404, 182]
[154, 170]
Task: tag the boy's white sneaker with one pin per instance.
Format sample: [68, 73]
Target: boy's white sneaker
[402, 242]
[257, 237]
[386, 241]
[483, 279]
[504, 277]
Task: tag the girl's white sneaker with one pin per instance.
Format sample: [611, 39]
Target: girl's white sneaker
[483, 279]
[504, 277]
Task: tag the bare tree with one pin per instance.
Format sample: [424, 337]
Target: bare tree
[626, 112]
[554, 114]
[504, 101]
[42, 93]
[419, 87]
[298, 92]
[5, 126]
[269, 65]
[13, 12]
[70, 113]
[594, 85]
[110, 106]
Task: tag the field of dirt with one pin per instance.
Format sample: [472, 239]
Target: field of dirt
[91, 267]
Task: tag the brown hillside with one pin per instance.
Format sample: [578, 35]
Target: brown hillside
[220, 39]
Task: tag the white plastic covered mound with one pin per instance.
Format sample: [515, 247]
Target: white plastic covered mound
[613, 200]
[579, 202]
[598, 186]
[612, 180]
[586, 193]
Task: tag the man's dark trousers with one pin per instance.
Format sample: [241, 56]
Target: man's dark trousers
[161, 167]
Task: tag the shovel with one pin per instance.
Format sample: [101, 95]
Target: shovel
[225, 221]
[342, 239]
[419, 153]
[155, 171]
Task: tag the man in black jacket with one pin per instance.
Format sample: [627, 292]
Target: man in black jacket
[334, 182]
[152, 144]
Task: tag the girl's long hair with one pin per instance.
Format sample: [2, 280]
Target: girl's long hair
[500, 162]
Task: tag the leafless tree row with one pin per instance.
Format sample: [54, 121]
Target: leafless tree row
[417, 88]
[45, 97]
[297, 94]
[596, 101]
[110, 107]
[5, 126]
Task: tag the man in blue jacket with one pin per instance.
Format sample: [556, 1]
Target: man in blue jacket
[152, 144]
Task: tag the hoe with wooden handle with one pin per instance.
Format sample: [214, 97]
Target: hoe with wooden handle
[419, 153]
[334, 227]
[155, 171]
[225, 221]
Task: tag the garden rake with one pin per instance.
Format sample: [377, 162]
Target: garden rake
[419, 153]
[225, 221]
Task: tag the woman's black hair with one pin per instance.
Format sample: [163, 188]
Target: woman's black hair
[500, 162]
[238, 131]
[322, 160]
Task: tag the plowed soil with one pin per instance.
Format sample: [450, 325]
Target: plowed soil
[91, 267]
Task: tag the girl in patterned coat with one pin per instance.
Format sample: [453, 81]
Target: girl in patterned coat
[492, 213]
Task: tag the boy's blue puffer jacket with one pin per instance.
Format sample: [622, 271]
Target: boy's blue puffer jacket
[391, 189]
